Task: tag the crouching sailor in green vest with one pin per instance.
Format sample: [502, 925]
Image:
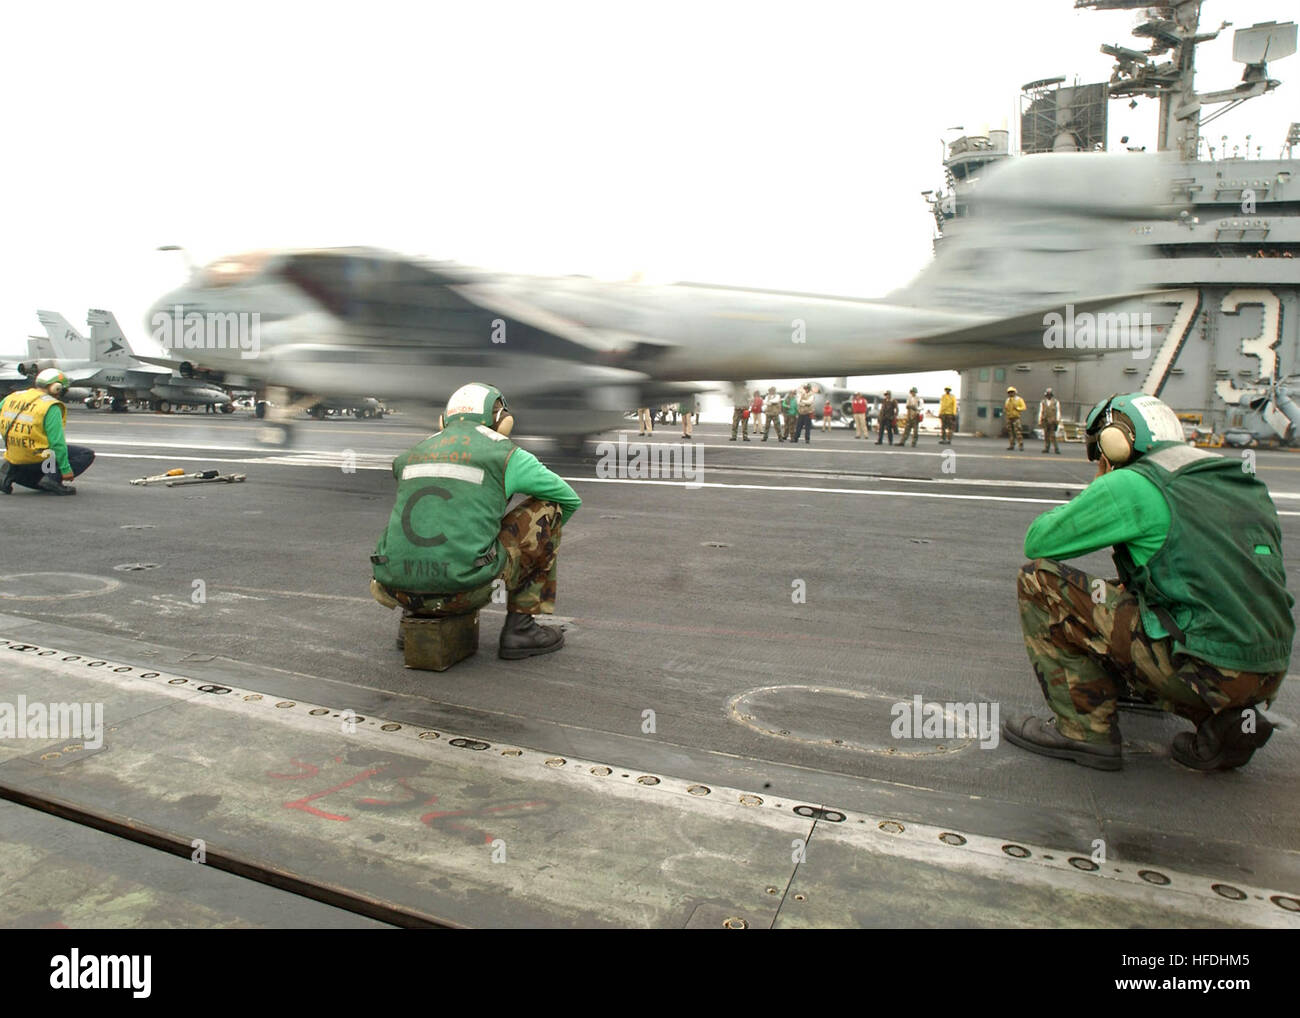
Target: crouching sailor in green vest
[37, 454]
[449, 538]
[1199, 622]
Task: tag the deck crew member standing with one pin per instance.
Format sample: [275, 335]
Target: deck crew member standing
[947, 416]
[888, 415]
[1049, 419]
[739, 414]
[1200, 623]
[1011, 410]
[915, 411]
[859, 407]
[806, 404]
[789, 411]
[37, 454]
[449, 537]
[773, 410]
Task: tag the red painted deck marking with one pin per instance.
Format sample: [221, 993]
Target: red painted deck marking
[302, 803]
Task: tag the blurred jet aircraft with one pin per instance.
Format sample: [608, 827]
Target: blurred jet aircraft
[573, 353]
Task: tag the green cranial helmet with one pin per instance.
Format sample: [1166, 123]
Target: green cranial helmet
[1144, 419]
[474, 402]
[52, 377]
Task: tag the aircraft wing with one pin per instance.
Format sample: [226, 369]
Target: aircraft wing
[1023, 333]
[162, 362]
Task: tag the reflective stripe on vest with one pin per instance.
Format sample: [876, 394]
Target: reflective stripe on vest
[22, 425]
[442, 533]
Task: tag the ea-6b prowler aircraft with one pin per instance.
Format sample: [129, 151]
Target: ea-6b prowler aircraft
[574, 353]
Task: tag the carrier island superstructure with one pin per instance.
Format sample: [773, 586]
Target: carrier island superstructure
[1220, 346]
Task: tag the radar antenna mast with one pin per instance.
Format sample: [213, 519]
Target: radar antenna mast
[1171, 28]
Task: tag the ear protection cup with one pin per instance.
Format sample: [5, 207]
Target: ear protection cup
[1116, 443]
[442, 423]
[503, 421]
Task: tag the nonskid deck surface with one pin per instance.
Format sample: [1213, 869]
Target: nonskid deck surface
[679, 600]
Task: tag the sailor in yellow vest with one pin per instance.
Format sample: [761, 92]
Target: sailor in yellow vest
[1011, 410]
[36, 454]
[947, 415]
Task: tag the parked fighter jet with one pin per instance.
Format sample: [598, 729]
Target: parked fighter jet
[10, 377]
[573, 353]
[40, 355]
[105, 361]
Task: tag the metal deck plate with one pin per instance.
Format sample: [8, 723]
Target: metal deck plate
[453, 829]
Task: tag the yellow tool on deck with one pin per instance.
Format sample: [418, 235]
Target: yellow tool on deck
[174, 472]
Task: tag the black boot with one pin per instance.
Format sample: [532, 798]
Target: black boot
[55, 486]
[1039, 736]
[1219, 744]
[521, 637]
[6, 480]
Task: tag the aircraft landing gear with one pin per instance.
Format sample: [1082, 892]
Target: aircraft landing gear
[227, 408]
[277, 430]
[259, 409]
[119, 405]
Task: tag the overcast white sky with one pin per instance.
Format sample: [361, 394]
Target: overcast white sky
[768, 144]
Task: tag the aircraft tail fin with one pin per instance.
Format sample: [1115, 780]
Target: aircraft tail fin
[65, 341]
[39, 348]
[1047, 229]
[107, 341]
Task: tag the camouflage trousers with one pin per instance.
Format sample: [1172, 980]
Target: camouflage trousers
[1015, 433]
[1051, 435]
[1087, 646]
[911, 426]
[530, 535]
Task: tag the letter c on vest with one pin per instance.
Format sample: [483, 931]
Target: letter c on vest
[408, 530]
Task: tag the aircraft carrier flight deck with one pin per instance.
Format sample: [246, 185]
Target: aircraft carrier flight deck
[713, 747]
